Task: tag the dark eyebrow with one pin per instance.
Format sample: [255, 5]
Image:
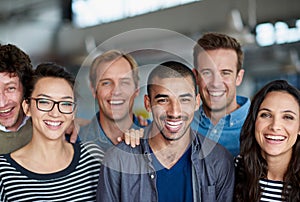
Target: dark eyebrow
[160, 96]
[186, 95]
[47, 96]
[164, 96]
[285, 111]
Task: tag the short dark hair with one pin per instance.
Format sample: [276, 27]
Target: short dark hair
[49, 69]
[171, 69]
[16, 62]
[214, 41]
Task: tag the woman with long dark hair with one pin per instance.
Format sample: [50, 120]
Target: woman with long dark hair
[268, 167]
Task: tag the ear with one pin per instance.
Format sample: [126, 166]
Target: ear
[198, 102]
[93, 90]
[25, 106]
[195, 71]
[147, 103]
[239, 77]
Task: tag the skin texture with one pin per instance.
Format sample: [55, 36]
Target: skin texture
[11, 92]
[277, 126]
[217, 78]
[50, 125]
[173, 108]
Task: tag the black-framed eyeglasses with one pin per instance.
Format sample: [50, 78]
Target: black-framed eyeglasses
[47, 105]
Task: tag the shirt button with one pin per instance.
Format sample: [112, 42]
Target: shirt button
[215, 131]
[152, 176]
[231, 124]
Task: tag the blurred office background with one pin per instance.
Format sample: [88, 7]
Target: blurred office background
[71, 32]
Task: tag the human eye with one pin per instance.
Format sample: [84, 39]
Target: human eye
[105, 83]
[288, 117]
[66, 104]
[264, 115]
[162, 100]
[185, 100]
[206, 73]
[226, 73]
[11, 89]
[44, 102]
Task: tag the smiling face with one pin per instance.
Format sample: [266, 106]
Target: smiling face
[218, 78]
[53, 124]
[11, 96]
[115, 90]
[172, 102]
[277, 124]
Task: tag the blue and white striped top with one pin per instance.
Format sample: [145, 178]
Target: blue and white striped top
[271, 190]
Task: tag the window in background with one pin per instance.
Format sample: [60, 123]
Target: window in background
[94, 12]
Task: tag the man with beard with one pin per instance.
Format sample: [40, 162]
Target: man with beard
[218, 62]
[173, 162]
[114, 82]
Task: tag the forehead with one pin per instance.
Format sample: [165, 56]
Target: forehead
[220, 58]
[118, 68]
[53, 86]
[172, 86]
[280, 100]
[6, 77]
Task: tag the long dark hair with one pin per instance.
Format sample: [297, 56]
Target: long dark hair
[252, 165]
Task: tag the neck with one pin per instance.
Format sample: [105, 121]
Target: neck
[277, 167]
[166, 151]
[216, 115]
[114, 129]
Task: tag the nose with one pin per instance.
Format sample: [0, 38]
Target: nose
[275, 124]
[116, 89]
[217, 79]
[54, 112]
[174, 109]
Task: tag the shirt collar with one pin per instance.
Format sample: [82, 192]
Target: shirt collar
[3, 128]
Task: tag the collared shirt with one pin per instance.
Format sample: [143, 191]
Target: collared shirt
[3, 128]
[227, 131]
[127, 174]
[93, 132]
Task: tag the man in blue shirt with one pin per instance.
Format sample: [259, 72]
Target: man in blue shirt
[173, 162]
[218, 62]
[114, 82]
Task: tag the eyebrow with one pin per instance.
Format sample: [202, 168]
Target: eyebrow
[285, 111]
[47, 96]
[164, 96]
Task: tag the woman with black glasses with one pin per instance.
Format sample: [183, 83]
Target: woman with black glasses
[49, 168]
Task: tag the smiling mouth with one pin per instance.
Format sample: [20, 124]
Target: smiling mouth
[275, 138]
[173, 126]
[6, 111]
[116, 102]
[216, 93]
[53, 123]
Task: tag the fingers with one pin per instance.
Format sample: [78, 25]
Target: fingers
[133, 137]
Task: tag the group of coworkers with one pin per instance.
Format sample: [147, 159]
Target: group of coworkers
[204, 142]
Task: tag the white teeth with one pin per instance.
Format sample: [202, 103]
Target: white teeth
[216, 94]
[5, 111]
[116, 102]
[53, 123]
[172, 123]
[275, 137]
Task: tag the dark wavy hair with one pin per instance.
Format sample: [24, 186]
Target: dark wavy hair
[252, 165]
[16, 62]
[49, 69]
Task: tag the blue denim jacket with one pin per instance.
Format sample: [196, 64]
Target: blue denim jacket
[227, 131]
[128, 175]
[93, 132]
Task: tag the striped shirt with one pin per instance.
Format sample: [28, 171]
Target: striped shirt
[271, 190]
[77, 182]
